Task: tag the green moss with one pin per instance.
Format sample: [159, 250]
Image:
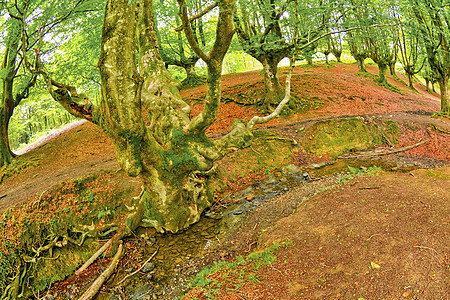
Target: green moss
[334, 137]
[268, 151]
[436, 173]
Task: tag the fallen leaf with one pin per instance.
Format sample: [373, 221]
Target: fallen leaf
[405, 294]
[374, 265]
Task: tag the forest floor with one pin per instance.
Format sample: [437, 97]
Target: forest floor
[381, 235]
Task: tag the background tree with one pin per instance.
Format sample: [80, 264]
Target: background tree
[411, 53]
[16, 84]
[432, 19]
[265, 30]
[381, 41]
[358, 48]
[174, 47]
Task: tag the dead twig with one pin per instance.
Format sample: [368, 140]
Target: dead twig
[137, 271]
[373, 236]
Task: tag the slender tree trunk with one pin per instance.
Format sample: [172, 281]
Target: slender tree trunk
[427, 83]
[337, 54]
[410, 81]
[361, 65]
[443, 86]
[7, 100]
[392, 68]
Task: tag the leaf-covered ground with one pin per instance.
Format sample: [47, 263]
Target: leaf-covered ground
[381, 236]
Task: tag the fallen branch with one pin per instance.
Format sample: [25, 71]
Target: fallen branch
[381, 153]
[135, 272]
[93, 257]
[95, 287]
[439, 129]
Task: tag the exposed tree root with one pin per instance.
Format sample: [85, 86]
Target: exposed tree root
[382, 152]
[94, 257]
[95, 287]
[438, 129]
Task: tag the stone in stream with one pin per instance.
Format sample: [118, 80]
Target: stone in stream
[148, 267]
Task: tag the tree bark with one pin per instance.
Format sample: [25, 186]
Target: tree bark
[7, 100]
[382, 68]
[443, 87]
[273, 88]
[360, 61]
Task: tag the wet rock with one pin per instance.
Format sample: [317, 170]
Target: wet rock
[321, 165]
[148, 267]
[213, 215]
[290, 169]
[141, 293]
[271, 180]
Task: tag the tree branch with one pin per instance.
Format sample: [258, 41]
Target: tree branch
[198, 15]
[188, 31]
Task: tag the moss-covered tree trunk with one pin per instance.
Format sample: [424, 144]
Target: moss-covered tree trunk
[360, 61]
[154, 137]
[7, 97]
[272, 86]
[5, 153]
[382, 68]
[443, 87]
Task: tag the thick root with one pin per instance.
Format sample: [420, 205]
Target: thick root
[95, 287]
[94, 257]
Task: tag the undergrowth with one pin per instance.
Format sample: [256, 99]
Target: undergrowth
[46, 239]
[233, 274]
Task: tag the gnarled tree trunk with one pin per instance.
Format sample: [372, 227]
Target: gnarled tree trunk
[273, 88]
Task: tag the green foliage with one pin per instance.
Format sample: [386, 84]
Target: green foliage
[235, 271]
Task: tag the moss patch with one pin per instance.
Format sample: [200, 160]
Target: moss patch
[334, 137]
[268, 151]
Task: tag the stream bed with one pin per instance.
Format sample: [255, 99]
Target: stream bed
[174, 251]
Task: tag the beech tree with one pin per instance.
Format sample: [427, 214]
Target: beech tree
[265, 30]
[174, 48]
[16, 83]
[141, 110]
[433, 22]
[10, 95]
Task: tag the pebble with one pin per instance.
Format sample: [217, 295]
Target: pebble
[148, 267]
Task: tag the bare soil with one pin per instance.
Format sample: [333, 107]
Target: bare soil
[381, 237]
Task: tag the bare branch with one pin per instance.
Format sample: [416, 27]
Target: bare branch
[260, 120]
[198, 15]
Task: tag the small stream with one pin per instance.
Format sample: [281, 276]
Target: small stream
[174, 250]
